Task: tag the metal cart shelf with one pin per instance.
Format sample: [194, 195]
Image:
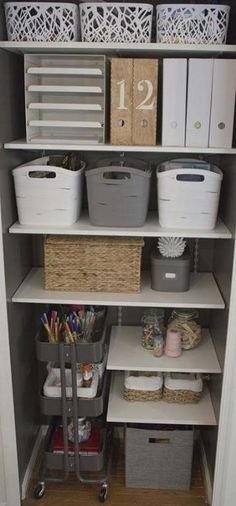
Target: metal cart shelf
[74, 407]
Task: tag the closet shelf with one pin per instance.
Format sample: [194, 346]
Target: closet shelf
[150, 229]
[60, 145]
[65, 145]
[203, 293]
[135, 49]
[122, 411]
[127, 354]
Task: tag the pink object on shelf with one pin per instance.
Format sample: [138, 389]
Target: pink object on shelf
[173, 346]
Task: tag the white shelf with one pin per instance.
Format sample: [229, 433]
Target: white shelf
[64, 124]
[127, 354]
[48, 88]
[149, 49]
[203, 293]
[64, 71]
[70, 146]
[122, 411]
[150, 229]
[63, 106]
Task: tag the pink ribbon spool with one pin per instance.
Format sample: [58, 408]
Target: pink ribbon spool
[173, 346]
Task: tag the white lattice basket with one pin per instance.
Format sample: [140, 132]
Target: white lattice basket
[116, 22]
[42, 22]
[192, 23]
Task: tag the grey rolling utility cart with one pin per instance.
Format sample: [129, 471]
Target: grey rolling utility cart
[74, 407]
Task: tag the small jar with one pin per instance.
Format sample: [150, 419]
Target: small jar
[187, 323]
[84, 430]
[153, 325]
[87, 372]
[158, 345]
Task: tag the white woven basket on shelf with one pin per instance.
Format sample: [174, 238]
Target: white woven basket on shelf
[116, 22]
[42, 22]
[192, 23]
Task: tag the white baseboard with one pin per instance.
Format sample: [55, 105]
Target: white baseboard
[206, 473]
[32, 461]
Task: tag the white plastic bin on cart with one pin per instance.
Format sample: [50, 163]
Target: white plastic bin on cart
[188, 198]
[48, 195]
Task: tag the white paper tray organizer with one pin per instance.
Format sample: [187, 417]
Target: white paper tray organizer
[65, 98]
[52, 385]
[192, 24]
[188, 198]
[116, 22]
[42, 21]
[43, 200]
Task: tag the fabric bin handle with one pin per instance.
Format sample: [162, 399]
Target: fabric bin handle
[159, 440]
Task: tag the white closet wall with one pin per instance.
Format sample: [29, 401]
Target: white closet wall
[2, 472]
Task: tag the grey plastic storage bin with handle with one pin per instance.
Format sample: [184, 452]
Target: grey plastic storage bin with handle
[118, 195]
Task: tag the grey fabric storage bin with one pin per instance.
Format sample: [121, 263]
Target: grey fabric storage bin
[158, 458]
[118, 195]
[170, 274]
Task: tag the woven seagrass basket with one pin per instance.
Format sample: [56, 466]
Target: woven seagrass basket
[141, 395]
[137, 386]
[181, 396]
[99, 264]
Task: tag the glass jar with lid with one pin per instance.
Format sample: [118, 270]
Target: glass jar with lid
[153, 326]
[187, 323]
[84, 430]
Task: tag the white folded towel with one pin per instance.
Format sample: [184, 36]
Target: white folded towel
[138, 381]
[183, 381]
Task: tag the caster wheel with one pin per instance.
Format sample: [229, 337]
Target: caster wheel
[39, 491]
[103, 493]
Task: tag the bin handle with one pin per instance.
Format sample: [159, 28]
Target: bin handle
[41, 173]
[187, 177]
[159, 440]
[109, 175]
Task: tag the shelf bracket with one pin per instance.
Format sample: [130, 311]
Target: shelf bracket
[119, 316]
[196, 256]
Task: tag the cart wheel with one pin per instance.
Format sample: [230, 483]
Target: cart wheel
[103, 495]
[39, 491]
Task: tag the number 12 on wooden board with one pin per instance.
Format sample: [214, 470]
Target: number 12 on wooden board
[133, 101]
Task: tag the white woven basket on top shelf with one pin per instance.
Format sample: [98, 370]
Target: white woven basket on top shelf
[116, 22]
[192, 23]
[42, 22]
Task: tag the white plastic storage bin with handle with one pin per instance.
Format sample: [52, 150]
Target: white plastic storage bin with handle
[188, 197]
[48, 195]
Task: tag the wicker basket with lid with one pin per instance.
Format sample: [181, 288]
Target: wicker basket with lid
[99, 264]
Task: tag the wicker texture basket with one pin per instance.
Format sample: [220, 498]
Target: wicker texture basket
[182, 388]
[99, 264]
[42, 21]
[181, 396]
[192, 23]
[116, 22]
[141, 395]
[143, 386]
